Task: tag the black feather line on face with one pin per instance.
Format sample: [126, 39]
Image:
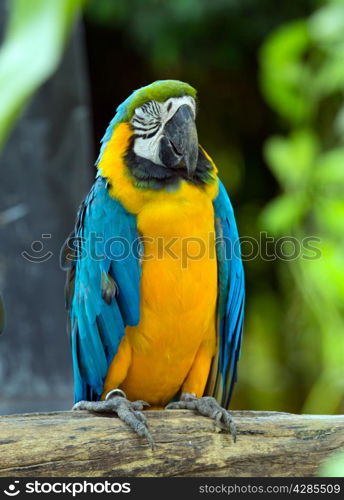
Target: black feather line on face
[154, 176]
[147, 132]
[147, 128]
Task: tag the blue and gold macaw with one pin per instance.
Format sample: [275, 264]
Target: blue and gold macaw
[155, 285]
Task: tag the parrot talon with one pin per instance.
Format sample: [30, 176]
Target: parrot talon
[209, 407]
[128, 411]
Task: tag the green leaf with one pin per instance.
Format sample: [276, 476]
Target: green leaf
[283, 214]
[339, 122]
[326, 25]
[329, 77]
[284, 76]
[330, 170]
[291, 159]
[329, 215]
[33, 45]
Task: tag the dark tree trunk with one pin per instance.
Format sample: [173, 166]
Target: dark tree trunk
[46, 170]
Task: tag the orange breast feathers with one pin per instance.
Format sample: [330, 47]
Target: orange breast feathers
[172, 347]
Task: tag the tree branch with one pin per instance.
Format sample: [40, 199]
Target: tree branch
[82, 444]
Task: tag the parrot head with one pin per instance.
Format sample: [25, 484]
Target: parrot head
[162, 142]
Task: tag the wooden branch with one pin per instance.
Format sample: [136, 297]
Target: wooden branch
[82, 444]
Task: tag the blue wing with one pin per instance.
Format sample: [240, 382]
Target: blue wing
[231, 300]
[103, 286]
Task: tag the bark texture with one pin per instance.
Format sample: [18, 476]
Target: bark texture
[83, 444]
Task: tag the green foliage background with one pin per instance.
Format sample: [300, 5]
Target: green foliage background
[270, 77]
[34, 41]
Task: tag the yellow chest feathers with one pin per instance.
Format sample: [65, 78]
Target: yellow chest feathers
[177, 228]
[178, 281]
[134, 199]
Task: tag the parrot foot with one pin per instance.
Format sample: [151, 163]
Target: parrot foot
[128, 411]
[209, 407]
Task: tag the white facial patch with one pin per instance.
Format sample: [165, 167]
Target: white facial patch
[149, 121]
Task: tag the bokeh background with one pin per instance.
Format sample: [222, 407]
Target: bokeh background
[270, 79]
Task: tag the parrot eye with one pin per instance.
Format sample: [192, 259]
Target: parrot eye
[174, 103]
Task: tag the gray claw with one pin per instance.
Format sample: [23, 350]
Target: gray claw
[209, 407]
[128, 411]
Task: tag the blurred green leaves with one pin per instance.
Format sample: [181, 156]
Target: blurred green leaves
[32, 48]
[283, 213]
[326, 27]
[291, 158]
[330, 172]
[303, 80]
[284, 77]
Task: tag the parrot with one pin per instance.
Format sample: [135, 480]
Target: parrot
[155, 281]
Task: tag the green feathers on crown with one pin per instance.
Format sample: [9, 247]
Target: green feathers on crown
[160, 91]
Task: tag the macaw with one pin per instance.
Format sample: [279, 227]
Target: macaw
[155, 281]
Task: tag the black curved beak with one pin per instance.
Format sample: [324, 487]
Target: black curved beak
[179, 143]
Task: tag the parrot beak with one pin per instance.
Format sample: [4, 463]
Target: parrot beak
[179, 143]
